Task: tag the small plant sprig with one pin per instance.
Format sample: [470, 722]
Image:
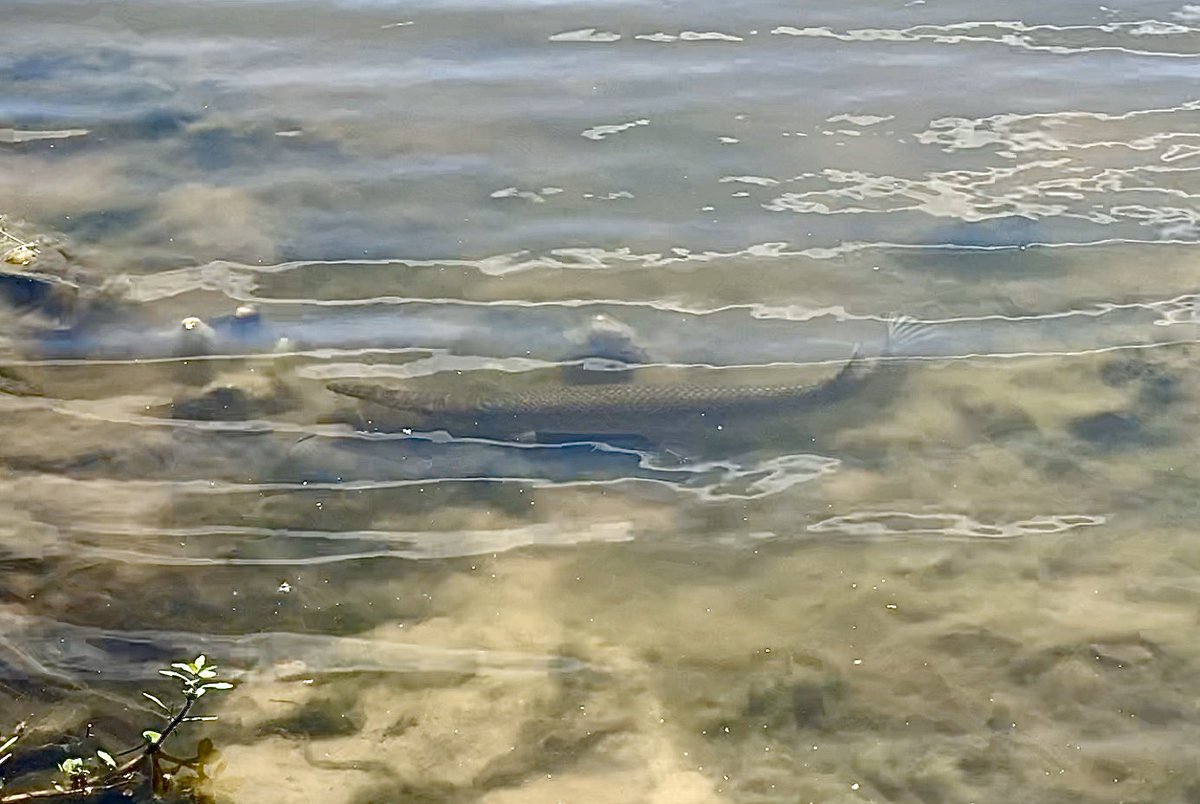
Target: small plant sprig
[8, 743]
[22, 253]
[86, 777]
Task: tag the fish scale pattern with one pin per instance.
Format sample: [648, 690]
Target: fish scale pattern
[594, 402]
[637, 400]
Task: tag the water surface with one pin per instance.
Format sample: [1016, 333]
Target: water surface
[975, 580]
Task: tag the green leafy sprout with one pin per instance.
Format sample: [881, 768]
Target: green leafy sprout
[82, 778]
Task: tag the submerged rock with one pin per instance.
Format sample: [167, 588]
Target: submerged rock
[607, 350]
[231, 399]
[14, 385]
[44, 282]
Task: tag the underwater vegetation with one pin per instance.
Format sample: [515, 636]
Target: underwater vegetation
[146, 770]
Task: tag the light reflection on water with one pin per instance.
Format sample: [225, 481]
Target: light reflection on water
[973, 579]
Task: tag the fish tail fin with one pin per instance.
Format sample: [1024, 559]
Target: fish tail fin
[906, 336]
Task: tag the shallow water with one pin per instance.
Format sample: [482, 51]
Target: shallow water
[975, 579]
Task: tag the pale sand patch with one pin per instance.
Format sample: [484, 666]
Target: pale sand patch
[213, 222]
[63, 187]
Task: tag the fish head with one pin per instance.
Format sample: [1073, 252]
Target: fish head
[418, 407]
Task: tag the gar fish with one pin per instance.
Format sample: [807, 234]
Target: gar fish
[599, 410]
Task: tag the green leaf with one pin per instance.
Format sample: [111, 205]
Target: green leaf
[218, 685]
[71, 766]
[199, 661]
[173, 674]
[207, 673]
[152, 736]
[187, 668]
[107, 759]
[160, 704]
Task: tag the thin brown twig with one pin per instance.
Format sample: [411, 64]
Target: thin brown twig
[7, 235]
[49, 793]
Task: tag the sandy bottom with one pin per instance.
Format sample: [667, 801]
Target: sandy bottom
[991, 597]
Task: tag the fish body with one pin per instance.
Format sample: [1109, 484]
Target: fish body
[599, 410]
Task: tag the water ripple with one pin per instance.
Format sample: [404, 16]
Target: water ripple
[248, 546]
[879, 524]
[43, 649]
[1170, 39]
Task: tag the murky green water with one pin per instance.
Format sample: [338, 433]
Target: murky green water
[974, 579]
